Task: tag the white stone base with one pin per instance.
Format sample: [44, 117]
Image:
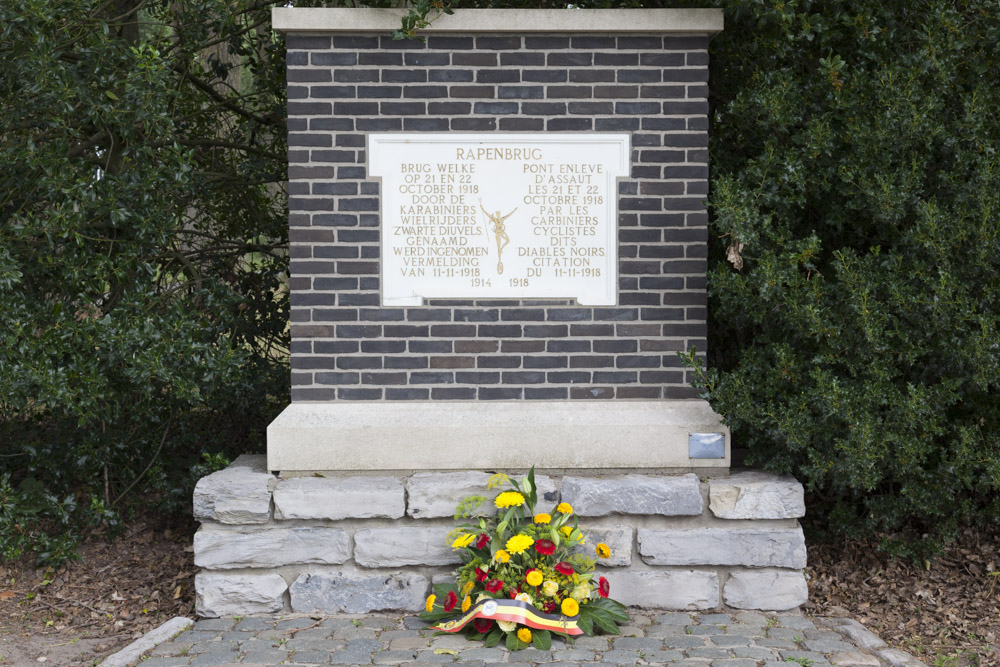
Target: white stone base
[477, 435]
[315, 544]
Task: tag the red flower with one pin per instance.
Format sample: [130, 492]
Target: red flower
[603, 587]
[545, 547]
[494, 585]
[564, 568]
[482, 541]
[550, 607]
[482, 625]
[481, 575]
[450, 601]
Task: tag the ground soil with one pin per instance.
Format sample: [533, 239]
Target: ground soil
[947, 613]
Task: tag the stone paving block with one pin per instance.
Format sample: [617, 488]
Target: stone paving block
[430, 656]
[630, 631]
[796, 656]
[734, 662]
[684, 642]
[704, 630]
[796, 621]
[822, 634]
[898, 658]
[378, 622]
[573, 655]
[729, 641]
[712, 653]
[171, 648]
[780, 644]
[338, 497]
[238, 494]
[407, 643]
[665, 657]
[665, 631]
[676, 495]
[674, 618]
[638, 643]
[616, 657]
[596, 643]
[860, 635]
[165, 662]
[212, 660]
[755, 653]
[318, 657]
[751, 618]
[854, 658]
[393, 657]
[254, 623]
[745, 630]
[404, 545]
[349, 632]
[494, 654]
[213, 624]
[265, 654]
[827, 645]
[337, 622]
[790, 634]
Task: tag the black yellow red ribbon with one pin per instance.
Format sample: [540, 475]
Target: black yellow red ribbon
[514, 611]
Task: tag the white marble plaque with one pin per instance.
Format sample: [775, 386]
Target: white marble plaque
[499, 216]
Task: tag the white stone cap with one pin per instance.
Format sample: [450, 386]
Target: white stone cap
[672, 21]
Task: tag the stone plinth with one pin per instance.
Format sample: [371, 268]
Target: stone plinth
[311, 544]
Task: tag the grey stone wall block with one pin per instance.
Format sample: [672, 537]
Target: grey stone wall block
[395, 547]
[756, 495]
[353, 593]
[773, 590]
[240, 493]
[619, 540]
[338, 497]
[748, 547]
[219, 594]
[666, 589]
[675, 495]
[436, 494]
[270, 547]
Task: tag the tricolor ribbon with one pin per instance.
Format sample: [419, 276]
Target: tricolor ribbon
[514, 611]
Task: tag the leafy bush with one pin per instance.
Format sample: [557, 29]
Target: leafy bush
[857, 178]
[142, 301]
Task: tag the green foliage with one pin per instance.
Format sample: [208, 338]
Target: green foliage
[142, 301]
[855, 169]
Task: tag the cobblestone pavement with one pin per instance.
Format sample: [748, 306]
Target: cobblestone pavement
[739, 639]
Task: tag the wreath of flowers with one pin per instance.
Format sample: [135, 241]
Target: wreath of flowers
[525, 576]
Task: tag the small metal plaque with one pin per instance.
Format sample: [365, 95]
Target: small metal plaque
[706, 445]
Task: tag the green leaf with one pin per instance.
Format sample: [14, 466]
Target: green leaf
[541, 639]
[493, 638]
[513, 643]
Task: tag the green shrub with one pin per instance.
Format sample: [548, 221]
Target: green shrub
[854, 159]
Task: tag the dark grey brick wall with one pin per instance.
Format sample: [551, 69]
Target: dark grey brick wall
[346, 347]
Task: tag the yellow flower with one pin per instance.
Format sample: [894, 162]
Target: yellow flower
[568, 531]
[509, 499]
[501, 556]
[564, 508]
[542, 518]
[534, 578]
[466, 603]
[430, 602]
[550, 588]
[582, 592]
[519, 544]
[570, 607]
[463, 541]
[603, 551]
[467, 588]
[524, 634]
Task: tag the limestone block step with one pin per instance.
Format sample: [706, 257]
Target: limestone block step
[238, 494]
[238, 594]
[338, 497]
[675, 495]
[748, 547]
[756, 495]
[667, 589]
[396, 547]
[773, 590]
[358, 593]
[432, 495]
[270, 547]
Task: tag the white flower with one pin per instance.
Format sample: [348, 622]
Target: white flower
[507, 626]
[524, 597]
[582, 592]
[550, 588]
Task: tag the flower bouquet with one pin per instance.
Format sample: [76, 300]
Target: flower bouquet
[524, 576]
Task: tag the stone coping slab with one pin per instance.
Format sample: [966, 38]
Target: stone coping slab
[733, 639]
[675, 21]
[469, 435]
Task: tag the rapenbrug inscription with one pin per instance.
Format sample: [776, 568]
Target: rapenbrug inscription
[499, 216]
